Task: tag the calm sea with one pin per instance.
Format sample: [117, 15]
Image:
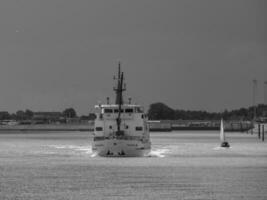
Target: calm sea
[182, 165]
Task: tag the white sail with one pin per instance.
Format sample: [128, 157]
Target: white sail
[222, 136]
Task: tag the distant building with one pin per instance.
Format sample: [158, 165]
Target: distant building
[49, 117]
[8, 122]
[4, 115]
[74, 120]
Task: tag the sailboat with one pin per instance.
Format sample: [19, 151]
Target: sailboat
[224, 143]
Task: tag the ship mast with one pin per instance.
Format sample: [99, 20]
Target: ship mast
[119, 97]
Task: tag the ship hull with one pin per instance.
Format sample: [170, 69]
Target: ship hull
[121, 148]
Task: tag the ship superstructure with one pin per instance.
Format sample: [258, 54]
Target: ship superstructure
[121, 128]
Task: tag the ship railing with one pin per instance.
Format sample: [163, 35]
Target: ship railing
[121, 137]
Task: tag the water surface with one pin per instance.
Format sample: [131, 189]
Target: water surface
[182, 165]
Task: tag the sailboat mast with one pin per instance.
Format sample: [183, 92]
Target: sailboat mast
[222, 137]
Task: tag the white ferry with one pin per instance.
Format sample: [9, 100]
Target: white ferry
[121, 129]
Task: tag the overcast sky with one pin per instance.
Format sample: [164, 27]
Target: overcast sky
[188, 54]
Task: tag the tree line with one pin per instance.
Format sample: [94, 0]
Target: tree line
[157, 111]
[160, 111]
[29, 114]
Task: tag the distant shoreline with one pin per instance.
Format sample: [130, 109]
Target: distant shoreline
[46, 127]
[155, 126]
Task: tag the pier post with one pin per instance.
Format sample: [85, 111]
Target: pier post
[262, 133]
[231, 126]
[259, 131]
[246, 127]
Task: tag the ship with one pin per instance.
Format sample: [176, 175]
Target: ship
[120, 129]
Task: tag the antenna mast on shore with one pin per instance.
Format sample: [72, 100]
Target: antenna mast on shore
[265, 93]
[255, 84]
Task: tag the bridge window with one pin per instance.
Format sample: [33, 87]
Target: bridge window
[117, 110]
[138, 128]
[108, 110]
[129, 110]
[99, 128]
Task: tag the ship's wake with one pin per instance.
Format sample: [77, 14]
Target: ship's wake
[160, 152]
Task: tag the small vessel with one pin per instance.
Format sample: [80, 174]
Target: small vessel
[224, 143]
[121, 129]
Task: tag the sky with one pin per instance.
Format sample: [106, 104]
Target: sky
[188, 54]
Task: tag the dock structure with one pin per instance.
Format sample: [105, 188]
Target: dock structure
[262, 138]
[175, 125]
[259, 131]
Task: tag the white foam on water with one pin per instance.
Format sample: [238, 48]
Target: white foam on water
[160, 153]
[221, 148]
[93, 155]
[81, 149]
[155, 152]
